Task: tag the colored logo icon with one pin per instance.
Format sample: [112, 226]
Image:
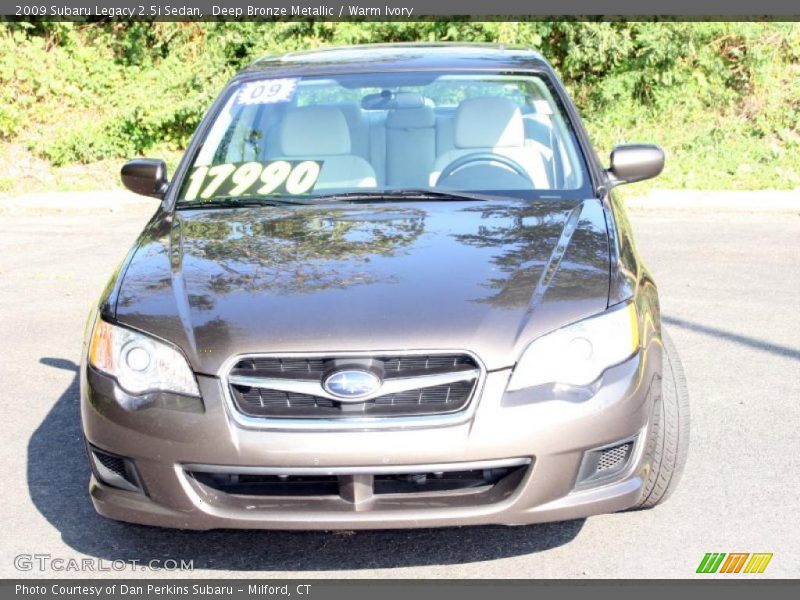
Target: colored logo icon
[735, 562]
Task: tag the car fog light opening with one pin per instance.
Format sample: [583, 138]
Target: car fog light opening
[115, 471]
[606, 463]
[578, 354]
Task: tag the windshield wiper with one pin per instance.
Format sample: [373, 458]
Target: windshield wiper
[237, 202]
[360, 196]
[393, 195]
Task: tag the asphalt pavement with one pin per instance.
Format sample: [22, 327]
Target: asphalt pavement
[729, 282]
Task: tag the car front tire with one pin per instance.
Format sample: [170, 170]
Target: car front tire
[668, 439]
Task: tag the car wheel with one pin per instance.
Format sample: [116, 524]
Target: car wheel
[668, 441]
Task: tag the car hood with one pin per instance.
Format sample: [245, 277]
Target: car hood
[486, 277]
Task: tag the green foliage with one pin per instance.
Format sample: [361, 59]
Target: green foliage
[722, 98]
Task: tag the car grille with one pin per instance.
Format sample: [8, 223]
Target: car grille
[615, 457]
[605, 463]
[115, 471]
[445, 481]
[416, 385]
[411, 483]
[114, 464]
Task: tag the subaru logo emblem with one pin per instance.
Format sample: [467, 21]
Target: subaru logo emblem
[351, 384]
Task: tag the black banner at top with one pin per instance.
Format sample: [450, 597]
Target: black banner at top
[254, 10]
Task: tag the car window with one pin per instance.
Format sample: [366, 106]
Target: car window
[305, 137]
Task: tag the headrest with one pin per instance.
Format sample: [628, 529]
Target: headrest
[408, 100]
[489, 122]
[314, 131]
[411, 118]
[352, 113]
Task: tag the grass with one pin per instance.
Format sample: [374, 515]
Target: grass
[21, 172]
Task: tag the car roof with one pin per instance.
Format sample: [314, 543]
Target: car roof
[399, 57]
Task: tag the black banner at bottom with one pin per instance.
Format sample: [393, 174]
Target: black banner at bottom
[322, 589]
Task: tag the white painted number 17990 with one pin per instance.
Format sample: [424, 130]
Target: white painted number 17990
[252, 178]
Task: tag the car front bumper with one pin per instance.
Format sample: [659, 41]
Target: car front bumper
[551, 435]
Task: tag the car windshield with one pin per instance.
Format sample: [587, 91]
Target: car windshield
[308, 139]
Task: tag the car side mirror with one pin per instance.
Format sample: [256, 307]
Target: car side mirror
[145, 176]
[635, 162]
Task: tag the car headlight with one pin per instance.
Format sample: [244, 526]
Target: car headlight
[138, 362]
[579, 353]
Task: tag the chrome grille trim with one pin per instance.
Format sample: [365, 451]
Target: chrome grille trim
[354, 423]
[375, 470]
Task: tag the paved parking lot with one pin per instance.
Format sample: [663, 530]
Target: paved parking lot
[730, 290]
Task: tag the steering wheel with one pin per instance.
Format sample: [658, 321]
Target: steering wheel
[484, 157]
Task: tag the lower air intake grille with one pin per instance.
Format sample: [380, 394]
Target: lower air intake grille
[604, 464]
[116, 471]
[468, 480]
[113, 463]
[614, 457]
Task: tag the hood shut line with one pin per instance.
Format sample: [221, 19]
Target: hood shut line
[551, 267]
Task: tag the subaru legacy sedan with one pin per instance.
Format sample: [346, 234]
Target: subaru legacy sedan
[386, 287]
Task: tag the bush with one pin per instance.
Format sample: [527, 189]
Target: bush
[722, 98]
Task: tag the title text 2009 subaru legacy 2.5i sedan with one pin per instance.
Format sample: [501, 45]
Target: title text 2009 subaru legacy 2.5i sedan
[388, 286]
